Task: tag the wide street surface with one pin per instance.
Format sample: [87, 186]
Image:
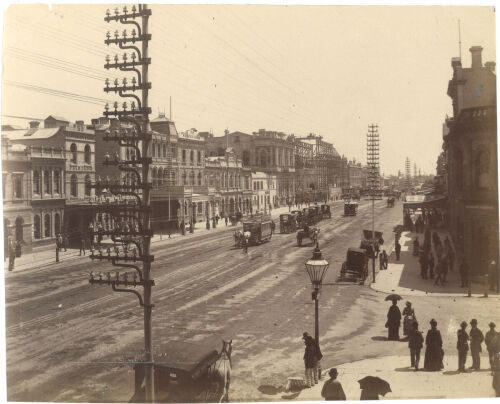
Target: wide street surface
[70, 341]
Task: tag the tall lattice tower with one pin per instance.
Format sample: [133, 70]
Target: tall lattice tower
[372, 160]
[408, 173]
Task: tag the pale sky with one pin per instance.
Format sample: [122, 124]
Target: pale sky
[330, 70]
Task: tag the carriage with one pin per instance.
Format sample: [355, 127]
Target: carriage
[317, 213]
[288, 223]
[350, 208]
[355, 267]
[390, 202]
[308, 216]
[260, 229]
[371, 244]
[185, 372]
[307, 232]
[298, 216]
[326, 212]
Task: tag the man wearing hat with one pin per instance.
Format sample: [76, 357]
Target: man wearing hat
[310, 360]
[491, 340]
[332, 389]
[476, 339]
[462, 346]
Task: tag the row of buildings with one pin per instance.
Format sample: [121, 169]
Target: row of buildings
[49, 167]
[467, 167]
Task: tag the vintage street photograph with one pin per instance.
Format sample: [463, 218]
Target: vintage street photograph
[249, 203]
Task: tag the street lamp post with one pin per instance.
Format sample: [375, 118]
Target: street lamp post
[316, 268]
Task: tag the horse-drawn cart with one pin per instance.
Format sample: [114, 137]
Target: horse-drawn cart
[307, 232]
[187, 372]
[288, 223]
[350, 208]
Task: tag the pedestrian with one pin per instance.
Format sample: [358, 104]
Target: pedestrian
[496, 375]
[439, 273]
[462, 346]
[82, 245]
[385, 259]
[423, 265]
[225, 219]
[415, 343]
[332, 389]
[12, 251]
[310, 360]
[272, 227]
[431, 265]
[397, 248]
[476, 339]
[434, 353]
[217, 219]
[66, 241]
[416, 247]
[491, 340]
[464, 273]
[393, 321]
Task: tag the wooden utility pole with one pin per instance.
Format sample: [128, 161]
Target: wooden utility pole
[372, 150]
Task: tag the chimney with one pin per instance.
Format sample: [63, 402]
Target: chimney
[476, 57]
[490, 66]
[34, 124]
[80, 125]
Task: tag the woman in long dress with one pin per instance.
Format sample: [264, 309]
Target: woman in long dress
[393, 321]
[434, 349]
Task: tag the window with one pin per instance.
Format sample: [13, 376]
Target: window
[57, 223]
[36, 182]
[199, 178]
[153, 147]
[481, 169]
[87, 154]
[183, 155]
[199, 157]
[87, 185]
[200, 207]
[74, 185]
[184, 179]
[57, 182]
[47, 189]
[47, 225]
[18, 186]
[165, 150]
[191, 156]
[246, 158]
[191, 178]
[74, 153]
[36, 228]
[4, 178]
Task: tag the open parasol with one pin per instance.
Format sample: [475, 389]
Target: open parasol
[394, 296]
[375, 385]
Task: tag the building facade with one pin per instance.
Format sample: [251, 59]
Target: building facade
[470, 153]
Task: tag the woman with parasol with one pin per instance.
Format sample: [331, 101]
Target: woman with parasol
[372, 387]
[434, 349]
[393, 318]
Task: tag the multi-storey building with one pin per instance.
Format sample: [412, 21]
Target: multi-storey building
[264, 191]
[355, 174]
[60, 170]
[470, 144]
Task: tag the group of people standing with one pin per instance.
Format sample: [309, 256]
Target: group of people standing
[434, 352]
[434, 268]
[430, 218]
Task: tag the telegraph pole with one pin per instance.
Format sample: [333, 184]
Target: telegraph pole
[131, 208]
[372, 153]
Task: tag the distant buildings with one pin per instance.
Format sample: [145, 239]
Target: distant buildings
[470, 161]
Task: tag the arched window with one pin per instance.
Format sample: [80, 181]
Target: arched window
[191, 178]
[191, 156]
[57, 223]
[87, 185]
[57, 182]
[199, 178]
[74, 185]
[164, 150]
[36, 182]
[160, 177]
[87, 154]
[153, 149]
[199, 157]
[184, 179]
[74, 153]
[481, 169]
[158, 153]
[183, 155]
[47, 225]
[459, 174]
[47, 182]
[36, 228]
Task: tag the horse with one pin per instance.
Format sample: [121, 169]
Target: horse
[219, 376]
[237, 238]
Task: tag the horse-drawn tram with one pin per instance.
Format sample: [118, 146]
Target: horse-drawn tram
[256, 230]
[186, 372]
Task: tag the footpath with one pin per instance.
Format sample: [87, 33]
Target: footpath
[46, 256]
[449, 304]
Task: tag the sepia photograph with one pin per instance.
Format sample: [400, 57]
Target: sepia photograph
[249, 202]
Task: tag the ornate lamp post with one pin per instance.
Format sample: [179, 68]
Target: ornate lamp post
[316, 268]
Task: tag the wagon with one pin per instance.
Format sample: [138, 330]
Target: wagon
[186, 372]
[288, 223]
[355, 267]
[326, 213]
[350, 208]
